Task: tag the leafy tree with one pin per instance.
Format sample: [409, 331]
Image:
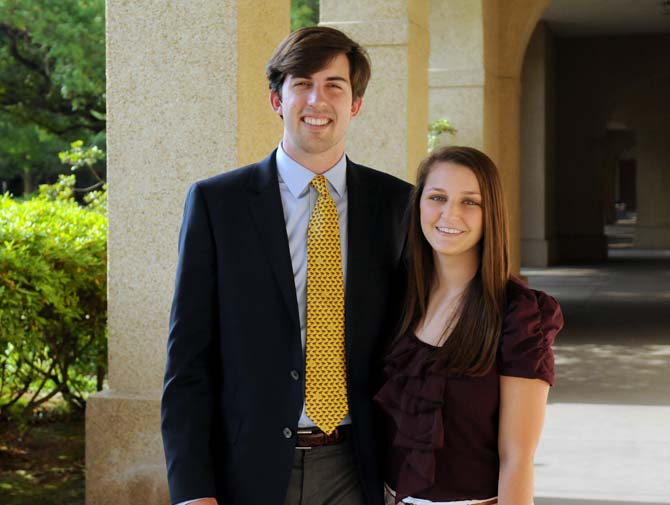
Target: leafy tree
[52, 63]
[304, 13]
[52, 82]
[25, 150]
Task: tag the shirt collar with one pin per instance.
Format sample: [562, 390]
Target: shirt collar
[297, 178]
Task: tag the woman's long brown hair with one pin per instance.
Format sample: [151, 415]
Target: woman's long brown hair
[473, 343]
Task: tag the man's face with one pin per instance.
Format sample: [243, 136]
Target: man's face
[317, 110]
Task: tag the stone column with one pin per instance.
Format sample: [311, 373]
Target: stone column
[653, 183]
[390, 134]
[477, 50]
[538, 243]
[508, 27]
[186, 92]
[456, 70]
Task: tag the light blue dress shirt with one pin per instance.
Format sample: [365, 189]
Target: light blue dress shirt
[298, 199]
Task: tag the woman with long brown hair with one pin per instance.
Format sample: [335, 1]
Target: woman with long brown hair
[468, 375]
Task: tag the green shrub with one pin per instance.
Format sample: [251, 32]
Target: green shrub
[52, 298]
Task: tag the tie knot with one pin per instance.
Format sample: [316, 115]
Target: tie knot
[319, 183]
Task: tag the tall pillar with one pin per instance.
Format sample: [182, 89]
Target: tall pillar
[186, 91]
[653, 182]
[477, 50]
[508, 26]
[538, 228]
[456, 70]
[391, 132]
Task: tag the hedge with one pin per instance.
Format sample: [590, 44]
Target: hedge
[53, 300]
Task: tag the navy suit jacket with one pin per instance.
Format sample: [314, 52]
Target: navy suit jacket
[231, 400]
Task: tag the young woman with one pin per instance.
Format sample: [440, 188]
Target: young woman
[467, 377]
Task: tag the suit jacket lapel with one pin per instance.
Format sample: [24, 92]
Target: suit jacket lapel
[363, 200]
[268, 214]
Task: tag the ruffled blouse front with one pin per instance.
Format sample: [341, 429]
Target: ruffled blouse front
[413, 396]
[443, 428]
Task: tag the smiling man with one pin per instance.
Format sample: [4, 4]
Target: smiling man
[286, 282]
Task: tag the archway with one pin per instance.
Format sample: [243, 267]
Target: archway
[587, 76]
[591, 140]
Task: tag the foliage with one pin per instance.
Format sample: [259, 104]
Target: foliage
[26, 149]
[52, 298]
[304, 13]
[52, 63]
[52, 82]
[437, 128]
[79, 156]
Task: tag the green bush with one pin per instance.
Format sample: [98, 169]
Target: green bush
[52, 298]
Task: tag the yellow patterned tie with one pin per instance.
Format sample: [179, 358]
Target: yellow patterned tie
[326, 377]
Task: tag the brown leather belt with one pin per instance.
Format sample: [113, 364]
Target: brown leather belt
[314, 437]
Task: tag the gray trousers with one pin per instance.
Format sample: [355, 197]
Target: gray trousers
[324, 476]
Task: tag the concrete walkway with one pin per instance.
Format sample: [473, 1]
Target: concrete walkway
[607, 434]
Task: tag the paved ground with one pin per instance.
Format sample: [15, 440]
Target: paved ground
[607, 435]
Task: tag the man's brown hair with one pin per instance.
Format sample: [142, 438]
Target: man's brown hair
[308, 50]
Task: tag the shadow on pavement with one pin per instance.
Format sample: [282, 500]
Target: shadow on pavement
[615, 346]
[606, 439]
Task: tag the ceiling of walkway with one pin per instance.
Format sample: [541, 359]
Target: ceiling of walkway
[587, 18]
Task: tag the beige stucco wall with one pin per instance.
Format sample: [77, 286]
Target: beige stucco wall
[177, 107]
[600, 81]
[537, 151]
[390, 132]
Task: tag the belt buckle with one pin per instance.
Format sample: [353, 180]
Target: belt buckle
[304, 432]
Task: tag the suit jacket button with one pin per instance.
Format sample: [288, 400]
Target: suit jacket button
[295, 375]
[287, 432]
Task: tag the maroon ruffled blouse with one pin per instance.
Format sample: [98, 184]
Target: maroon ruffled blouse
[442, 430]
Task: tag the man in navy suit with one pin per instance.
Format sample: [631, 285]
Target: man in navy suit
[235, 428]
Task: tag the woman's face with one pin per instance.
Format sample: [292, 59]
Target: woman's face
[451, 212]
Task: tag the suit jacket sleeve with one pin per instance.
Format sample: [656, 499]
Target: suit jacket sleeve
[187, 404]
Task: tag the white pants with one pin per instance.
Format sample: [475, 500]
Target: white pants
[389, 497]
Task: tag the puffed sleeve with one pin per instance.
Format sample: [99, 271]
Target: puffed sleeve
[532, 321]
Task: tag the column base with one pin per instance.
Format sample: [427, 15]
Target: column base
[124, 450]
[652, 237]
[538, 252]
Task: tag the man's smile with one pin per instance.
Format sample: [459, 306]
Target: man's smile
[316, 121]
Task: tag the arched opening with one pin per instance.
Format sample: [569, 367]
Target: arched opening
[586, 80]
[620, 199]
